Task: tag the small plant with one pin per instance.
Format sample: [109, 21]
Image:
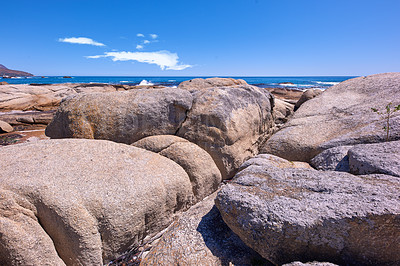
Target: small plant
[386, 115]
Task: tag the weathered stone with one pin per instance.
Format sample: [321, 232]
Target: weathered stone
[5, 127]
[378, 158]
[307, 95]
[198, 164]
[295, 214]
[229, 123]
[43, 97]
[314, 263]
[201, 84]
[200, 237]
[282, 111]
[334, 159]
[121, 116]
[84, 201]
[340, 116]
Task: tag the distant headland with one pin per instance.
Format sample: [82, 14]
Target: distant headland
[5, 72]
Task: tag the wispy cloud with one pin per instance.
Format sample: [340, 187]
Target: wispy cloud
[154, 36]
[140, 35]
[81, 40]
[164, 59]
[146, 41]
[139, 46]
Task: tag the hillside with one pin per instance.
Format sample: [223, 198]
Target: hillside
[4, 71]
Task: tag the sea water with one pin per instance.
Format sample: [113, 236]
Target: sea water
[298, 83]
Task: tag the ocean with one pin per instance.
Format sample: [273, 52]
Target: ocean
[298, 83]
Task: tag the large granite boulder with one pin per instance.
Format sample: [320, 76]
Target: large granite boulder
[229, 123]
[200, 237]
[199, 84]
[282, 111]
[294, 214]
[203, 173]
[307, 95]
[84, 202]
[378, 158]
[340, 116]
[121, 116]
[43, 96]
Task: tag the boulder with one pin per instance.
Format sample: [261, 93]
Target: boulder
[282, 111]
[296, 214]
[378, 158]
[340, 116]
[123, 116]
[200, 237]
[43, 97]
[83, 202]
[5, 127]
[3, 83]
[307, 95]
[229, 123]
[334, 159]
[200, 84]
[314, 263]
[198, 164]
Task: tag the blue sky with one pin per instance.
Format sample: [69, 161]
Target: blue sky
[201, 38]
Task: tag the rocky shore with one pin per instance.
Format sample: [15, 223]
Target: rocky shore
[214, 172]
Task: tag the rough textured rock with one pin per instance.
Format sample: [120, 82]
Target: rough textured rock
[296, 214]
[198, 164]
[83, 202]
[43, 97]
[3, 83]
[340, 116]
[18, 118]
[201, 84]
[314, 263]
[334, 159]
[200, 237]
[229, 123]
[121, 116]
[307, 95]
[5, 127]
[282, 111]
[379, 158]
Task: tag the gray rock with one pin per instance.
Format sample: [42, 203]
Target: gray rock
[314, 263]
[282, 111]
[295, 214]
[84, 202]
[121, 116]
[307, 95]
[340, 116]
[334, 159]
[379, 158]
[201, 84]
[229, 123]
[200, 237]
[198, 164]
[5, 127]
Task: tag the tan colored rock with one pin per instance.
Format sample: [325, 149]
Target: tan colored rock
[122, 117]
[282, 111]
[200, 84]
[340, 116]
[84, 202]
[200, 237]
[43, 97]
[307, 95]
[3, 83]
[5, 127]
[203, 173]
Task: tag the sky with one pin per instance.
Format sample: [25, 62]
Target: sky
[201, 38]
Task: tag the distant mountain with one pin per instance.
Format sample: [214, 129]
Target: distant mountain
[4, 71]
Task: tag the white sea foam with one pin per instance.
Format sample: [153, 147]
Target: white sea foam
[145, 83]
[327, 83]
[171, 80]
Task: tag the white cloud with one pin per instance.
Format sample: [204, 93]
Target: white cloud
[146, 41]
[81, 40]
[139, 46]
[164, 59]
[140, 35]
[154, 36]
